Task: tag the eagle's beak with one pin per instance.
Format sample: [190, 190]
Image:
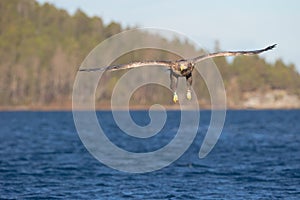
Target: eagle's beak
[182, 67]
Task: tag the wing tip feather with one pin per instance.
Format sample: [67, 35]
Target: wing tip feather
[271, 47]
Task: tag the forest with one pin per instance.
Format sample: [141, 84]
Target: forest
[42, 48]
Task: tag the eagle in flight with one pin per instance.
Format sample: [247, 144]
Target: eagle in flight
[179, 68]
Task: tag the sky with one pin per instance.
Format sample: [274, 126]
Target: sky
[237, 25]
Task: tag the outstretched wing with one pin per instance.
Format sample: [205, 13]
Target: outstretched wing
[128, 66]
[231, 53]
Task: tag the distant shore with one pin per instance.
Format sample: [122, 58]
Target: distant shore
[106, 107]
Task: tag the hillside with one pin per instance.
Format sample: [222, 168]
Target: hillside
[42, 47]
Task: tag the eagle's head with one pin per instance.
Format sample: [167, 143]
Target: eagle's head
[186, 68]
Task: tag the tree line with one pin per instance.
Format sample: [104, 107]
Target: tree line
[43, 46]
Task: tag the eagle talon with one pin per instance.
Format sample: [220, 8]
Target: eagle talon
[189, 95]
[175, 97]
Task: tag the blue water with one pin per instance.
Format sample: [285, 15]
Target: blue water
[257, 157]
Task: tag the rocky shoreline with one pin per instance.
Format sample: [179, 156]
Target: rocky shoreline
[271, 99]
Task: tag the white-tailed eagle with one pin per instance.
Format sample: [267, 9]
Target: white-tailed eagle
[179, 68]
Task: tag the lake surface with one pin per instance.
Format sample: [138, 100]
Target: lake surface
[256, 157]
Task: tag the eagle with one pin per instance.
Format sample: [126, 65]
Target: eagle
[179, 68]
